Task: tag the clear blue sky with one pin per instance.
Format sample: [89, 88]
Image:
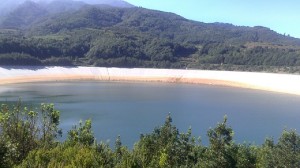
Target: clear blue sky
[283, 16]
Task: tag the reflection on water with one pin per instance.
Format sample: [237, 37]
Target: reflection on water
[128, 109]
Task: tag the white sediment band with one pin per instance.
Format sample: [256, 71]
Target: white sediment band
[284, 83]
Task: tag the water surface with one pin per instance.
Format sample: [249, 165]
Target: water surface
[128, 109]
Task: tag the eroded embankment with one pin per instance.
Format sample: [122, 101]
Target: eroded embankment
[284, 83]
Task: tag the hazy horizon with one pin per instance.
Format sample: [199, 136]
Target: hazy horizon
[4, 2]
[7, 6]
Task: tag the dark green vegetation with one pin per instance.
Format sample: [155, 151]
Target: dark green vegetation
[100, 35]
[28, 138]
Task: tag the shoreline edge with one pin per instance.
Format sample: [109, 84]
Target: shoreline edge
[282, 83]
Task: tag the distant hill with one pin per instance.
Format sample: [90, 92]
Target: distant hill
[59, 6]
[113, 3]
[8, 5]
[23, 13]
[76, 33]
[160, 24]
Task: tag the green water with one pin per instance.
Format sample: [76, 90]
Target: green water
[128, 109]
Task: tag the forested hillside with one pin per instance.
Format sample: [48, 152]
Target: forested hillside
[102, 35]
[28, 138]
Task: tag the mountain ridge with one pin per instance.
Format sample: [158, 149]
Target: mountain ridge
[102, 35]
[28, 8]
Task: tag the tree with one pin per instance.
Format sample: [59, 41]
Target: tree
[166, 147]
[118, 148]
[221, 150]
[81, 134]
[266, 154]
[288, 149]
[49, 124]
[246, 156]
[23, 130]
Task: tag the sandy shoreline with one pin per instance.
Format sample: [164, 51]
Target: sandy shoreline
[284, 83]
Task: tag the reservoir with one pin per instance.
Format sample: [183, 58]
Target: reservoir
[129, 109]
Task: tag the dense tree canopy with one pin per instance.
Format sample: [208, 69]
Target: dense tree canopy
[138, 37]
